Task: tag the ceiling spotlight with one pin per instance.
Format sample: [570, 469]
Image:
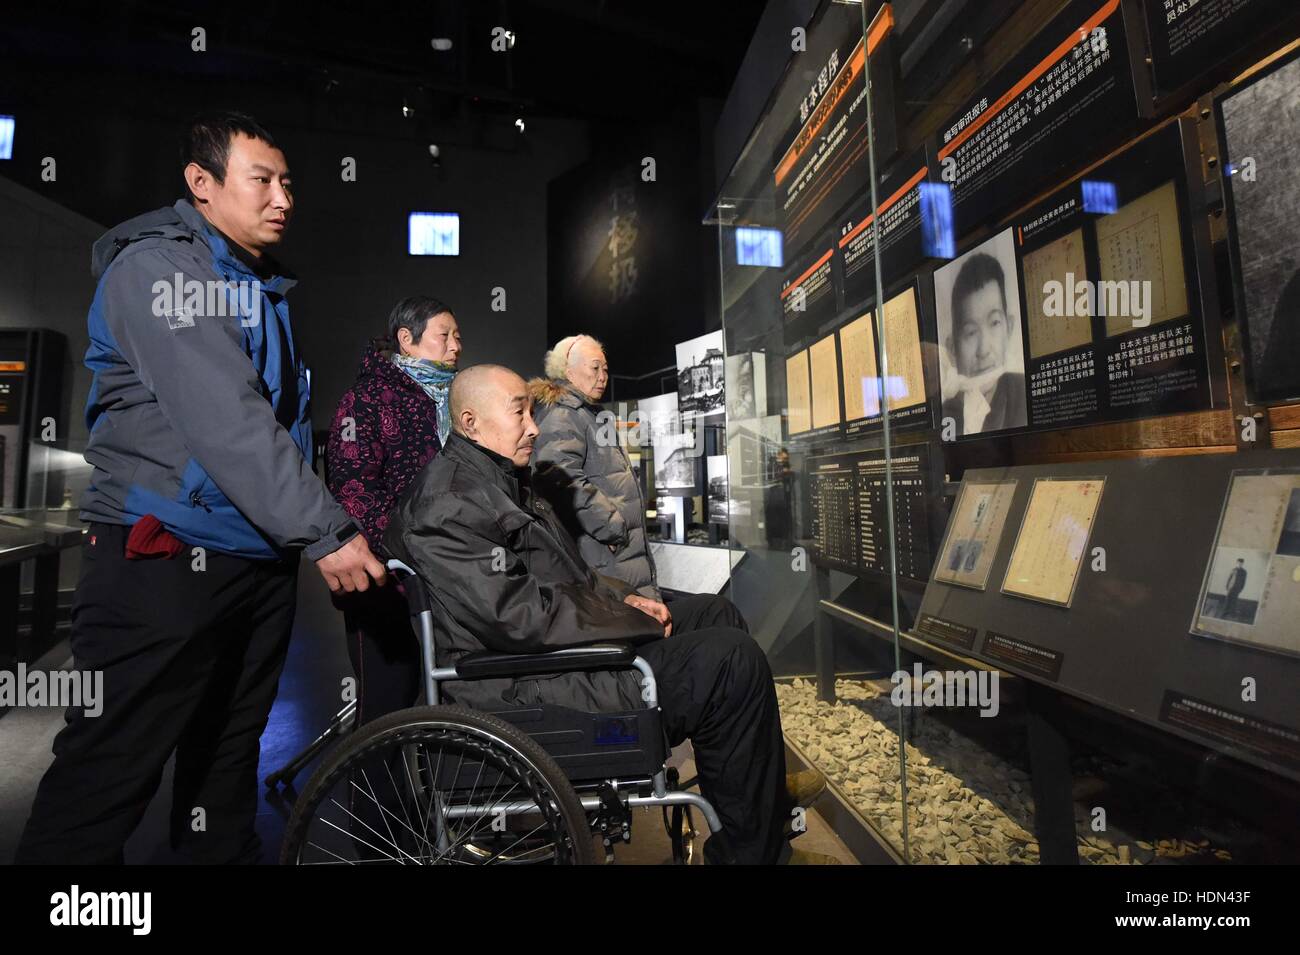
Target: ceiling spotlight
[441, 43]
[519, 124]
[407, 112]
[435, 154]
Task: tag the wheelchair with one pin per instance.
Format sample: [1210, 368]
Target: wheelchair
[447, 785]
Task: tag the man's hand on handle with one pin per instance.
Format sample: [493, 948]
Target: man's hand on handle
[351, 566]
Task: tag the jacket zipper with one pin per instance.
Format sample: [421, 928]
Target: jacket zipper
[197, 501]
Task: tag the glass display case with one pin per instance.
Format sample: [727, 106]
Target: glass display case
[39, 555]
[1015, 308]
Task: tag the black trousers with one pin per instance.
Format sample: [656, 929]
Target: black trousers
[716, 689]
[191, 662]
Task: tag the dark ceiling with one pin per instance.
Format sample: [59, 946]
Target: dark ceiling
[598, 60]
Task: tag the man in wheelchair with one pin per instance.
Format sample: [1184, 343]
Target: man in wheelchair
[509, 579]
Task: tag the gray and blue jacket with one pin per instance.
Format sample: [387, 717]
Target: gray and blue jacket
[199, 408]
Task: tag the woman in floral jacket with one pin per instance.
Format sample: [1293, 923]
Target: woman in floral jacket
[388, 426]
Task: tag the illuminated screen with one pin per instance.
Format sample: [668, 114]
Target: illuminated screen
[434, 233]
[758, 247]
[6, 137]
[1100, 197]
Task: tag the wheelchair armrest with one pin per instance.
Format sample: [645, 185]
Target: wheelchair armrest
[597, 656]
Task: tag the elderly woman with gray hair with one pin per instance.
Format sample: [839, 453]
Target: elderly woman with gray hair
[585, 477]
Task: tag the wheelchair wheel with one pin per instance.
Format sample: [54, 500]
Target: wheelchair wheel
[438, 785]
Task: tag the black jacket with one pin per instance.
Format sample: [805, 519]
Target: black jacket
[1006, 407]
[508, 578]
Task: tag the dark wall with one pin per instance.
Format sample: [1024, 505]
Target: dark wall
[631, 261]
[115, 147]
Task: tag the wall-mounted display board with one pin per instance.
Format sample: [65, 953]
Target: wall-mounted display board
[1067, 97]
[1257, 124]
[903, 203]
[822, 160]
[1091, 306]
[1187, 41]
[847, 520]
[808, 295]
[1183, 576]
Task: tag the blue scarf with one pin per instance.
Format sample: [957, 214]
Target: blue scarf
[435, 378]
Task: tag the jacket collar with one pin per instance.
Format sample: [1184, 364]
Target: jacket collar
[500, 470]
[268, 272]
[572, 397]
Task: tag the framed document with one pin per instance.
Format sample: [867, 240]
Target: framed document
[1053, 539]
[1060, 261]
[1142, 243]
[974, 533]
[798, 398]
[1251, 590]
[861, 379]
[825, 383]
[904, 380]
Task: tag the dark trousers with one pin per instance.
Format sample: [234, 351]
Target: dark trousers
[384, 650]
[191, 662]
[715, 689]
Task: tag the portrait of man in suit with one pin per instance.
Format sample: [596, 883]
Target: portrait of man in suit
[979, 324]
[1236, 583]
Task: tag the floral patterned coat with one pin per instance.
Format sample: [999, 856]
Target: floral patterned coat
[384, 432]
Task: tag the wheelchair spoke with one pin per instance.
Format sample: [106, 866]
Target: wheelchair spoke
[422, 839]
[375, 799]
[353, 836]
[515, 843]
[442, 821]
[514, 807]
[384, 810]
[478, 823]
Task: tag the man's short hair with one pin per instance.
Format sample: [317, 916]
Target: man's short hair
[207, 140]
[413, 314]
[975, 273]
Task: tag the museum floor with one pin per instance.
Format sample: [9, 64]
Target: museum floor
[306, 702]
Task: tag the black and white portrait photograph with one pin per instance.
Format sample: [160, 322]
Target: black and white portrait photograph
[1235, 585]
[981, 356]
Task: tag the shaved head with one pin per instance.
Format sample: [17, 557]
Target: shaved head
[491, 407]
[470, 388]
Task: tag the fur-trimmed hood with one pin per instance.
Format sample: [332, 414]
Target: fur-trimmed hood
[548, 392]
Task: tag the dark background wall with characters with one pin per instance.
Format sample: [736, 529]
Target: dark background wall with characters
[106, 94]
